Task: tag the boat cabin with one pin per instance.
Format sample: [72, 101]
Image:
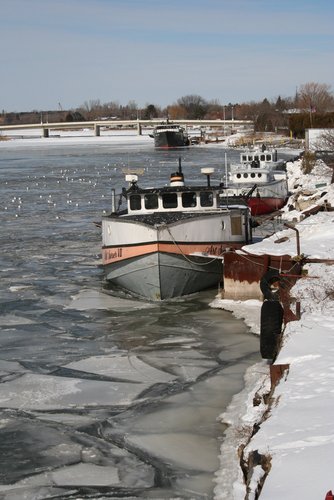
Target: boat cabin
[245, 174]
[258, 156]
[176, 197]
[161, 200]
[168, 128]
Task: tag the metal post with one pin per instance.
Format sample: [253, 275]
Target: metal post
[139, 129]
[297, 236]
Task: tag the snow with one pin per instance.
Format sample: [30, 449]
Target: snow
[296, 430]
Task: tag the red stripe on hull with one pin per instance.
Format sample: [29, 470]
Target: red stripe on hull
[116, 254]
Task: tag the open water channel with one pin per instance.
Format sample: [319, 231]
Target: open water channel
[103, 395]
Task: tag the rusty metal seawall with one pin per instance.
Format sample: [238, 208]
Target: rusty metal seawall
[243, 273]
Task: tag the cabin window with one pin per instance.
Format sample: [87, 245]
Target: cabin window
[236, 227]
[268, 157]
[238, 175]
[151, 201]
[135, 202]
[262, 157]
[245, 176]
[252, 174]
[169, 200]
[259, 175]
[206, 198]
[244, 157]
[189, 199]
[250, 158]
[256, 157]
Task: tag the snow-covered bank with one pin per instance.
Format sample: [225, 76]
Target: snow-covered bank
[294, 441]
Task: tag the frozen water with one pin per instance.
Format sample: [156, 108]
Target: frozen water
[86, 475]
[126, 368]
[101, 393]
[94, 299]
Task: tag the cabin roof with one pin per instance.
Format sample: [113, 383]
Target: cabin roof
[173, 189]
[167, 217]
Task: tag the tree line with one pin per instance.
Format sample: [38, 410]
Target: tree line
[311, 107]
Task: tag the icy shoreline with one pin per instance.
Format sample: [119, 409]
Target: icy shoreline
[292, 433]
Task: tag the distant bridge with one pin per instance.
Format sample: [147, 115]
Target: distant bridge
[96, 125]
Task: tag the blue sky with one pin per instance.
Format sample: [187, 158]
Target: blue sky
[156, 51]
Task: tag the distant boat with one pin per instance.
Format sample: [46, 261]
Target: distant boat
[169, 241]
[261, 179]
[170, 136]
[262, 156]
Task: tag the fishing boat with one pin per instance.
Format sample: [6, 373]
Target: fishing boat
[170, 241]
[170, 136]
[261, 179]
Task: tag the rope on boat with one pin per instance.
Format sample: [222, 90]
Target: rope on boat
[186, 257]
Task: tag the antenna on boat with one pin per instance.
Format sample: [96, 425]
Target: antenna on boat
[131, 176]
[207, 171]
[226, 177]
[177, 178]
[132, 180]
[180, 166]
[113, 201]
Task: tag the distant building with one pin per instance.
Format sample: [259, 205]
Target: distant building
[292, 111]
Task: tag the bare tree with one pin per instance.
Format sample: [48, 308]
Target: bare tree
[133, 111]
[325, 143]
[176, 112]
[315, 97]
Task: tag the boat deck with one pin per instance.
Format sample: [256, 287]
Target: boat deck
[164, 217]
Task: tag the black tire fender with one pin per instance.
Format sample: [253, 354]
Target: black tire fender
[271, 328]
[266, 282]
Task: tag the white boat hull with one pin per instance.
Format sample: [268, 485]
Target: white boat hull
[163, 261]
